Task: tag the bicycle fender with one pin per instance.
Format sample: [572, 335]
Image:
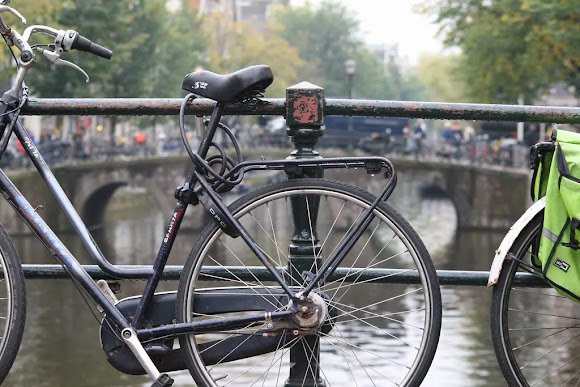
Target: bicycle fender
[509, 239]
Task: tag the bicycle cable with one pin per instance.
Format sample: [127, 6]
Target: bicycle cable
[228, 182]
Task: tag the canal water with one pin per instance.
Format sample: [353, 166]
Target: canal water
[61, 342]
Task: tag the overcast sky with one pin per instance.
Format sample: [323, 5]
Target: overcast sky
[394, 22]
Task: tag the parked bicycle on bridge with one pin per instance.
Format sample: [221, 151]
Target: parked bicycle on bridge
[534, 311]
[277, 290]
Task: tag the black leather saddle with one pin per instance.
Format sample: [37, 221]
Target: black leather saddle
[248, 82]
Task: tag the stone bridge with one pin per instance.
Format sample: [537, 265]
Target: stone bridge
[484, 197]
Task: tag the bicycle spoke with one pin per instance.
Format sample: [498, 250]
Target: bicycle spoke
[371, 315]
[544, 328]
[259, 363]
[535, 331]
[375, 279]
[542, 314]
[363, 364]
[536, 293]
[353, 354]
[274, 235]
[556, 370]
[379, 330]
[547, 353]
[331, 228]
[279, 251]
[572, 378]
[388, 335]
[218, 342]
[267, 371]
[356, 260]
[252, 274]
[312, 359]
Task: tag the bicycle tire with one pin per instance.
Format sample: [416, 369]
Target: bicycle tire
[535, 331]
[12, 304]
[405, 319]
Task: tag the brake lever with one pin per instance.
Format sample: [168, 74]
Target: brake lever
[54, 58]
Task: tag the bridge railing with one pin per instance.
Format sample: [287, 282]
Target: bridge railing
[277, 107]
[304, 108]
[172, 273]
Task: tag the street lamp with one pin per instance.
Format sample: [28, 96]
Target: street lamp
[349, 69]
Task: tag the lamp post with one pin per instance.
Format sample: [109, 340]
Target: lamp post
[350, 69]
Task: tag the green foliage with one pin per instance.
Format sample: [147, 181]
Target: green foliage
[35, 12]
[153, 50]
[326, 36]
[441, 78]
[512, 48]
[234, 45]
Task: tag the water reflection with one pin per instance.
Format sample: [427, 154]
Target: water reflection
[61, 343]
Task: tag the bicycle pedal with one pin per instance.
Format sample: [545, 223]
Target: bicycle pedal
[163, 380]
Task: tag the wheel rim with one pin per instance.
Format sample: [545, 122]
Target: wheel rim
[540, 330]
[5, 304]
[380, 332]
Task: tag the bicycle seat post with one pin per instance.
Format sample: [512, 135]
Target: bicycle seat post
[209, 132]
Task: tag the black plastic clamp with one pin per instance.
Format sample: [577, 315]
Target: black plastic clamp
[163, 380]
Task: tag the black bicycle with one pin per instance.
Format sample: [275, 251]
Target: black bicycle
[303, 282]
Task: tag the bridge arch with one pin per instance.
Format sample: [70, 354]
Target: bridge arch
[93, 209]
[484, 197]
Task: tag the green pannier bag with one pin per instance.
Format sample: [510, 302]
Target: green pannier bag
[559, 248]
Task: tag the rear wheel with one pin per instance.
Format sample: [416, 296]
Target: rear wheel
[12, 304]
[377, 332]
[535, 330]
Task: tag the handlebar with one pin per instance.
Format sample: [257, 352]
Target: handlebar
[64, 40]
[83, 44]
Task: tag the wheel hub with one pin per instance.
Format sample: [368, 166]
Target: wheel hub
[312, 311]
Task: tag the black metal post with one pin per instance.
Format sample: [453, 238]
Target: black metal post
[304, 117]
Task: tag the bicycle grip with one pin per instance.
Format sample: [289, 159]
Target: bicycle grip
[83, 44]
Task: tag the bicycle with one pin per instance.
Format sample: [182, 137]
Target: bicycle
[534, 328]
[303, 282]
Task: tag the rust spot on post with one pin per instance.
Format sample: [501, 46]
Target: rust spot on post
[305, 110]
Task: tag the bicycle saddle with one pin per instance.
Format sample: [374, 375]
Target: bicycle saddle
[247, 82]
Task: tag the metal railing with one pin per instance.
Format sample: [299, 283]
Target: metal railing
[303, 107]
[277, 106]
[446, 277]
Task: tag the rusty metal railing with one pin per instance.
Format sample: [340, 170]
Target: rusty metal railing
[277, 106]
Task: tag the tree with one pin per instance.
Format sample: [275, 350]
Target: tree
[439, 75]
[153, 50]
[234, 45]
[327, 36]
[35, 12]
[512, 48]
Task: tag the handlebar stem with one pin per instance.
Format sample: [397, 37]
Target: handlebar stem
[17, 40]
[12, 97]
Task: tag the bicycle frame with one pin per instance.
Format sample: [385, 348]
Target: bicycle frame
[12, 124]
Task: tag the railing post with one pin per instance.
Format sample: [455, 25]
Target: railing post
[304, 117]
